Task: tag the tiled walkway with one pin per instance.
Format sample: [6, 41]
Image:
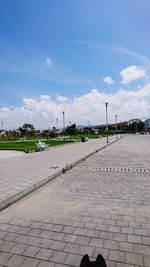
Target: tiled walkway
[100, 206]
[21, 175]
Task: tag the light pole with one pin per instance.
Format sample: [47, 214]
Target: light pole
[63, 122]
[116, 128]
[88, 128]
[57, 124]
[106, 104]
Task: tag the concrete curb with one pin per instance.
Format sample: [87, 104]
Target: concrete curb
[13, 198]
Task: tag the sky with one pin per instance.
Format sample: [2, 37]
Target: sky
[73, 56]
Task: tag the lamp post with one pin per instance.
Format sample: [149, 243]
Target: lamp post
[116, 128]
[63, 122]
[106, 104]
[57, 124]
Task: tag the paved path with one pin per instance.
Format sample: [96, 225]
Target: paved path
[21, 175]
[10, 154]
[102, 205]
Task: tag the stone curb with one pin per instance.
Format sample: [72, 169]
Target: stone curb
[13, 198]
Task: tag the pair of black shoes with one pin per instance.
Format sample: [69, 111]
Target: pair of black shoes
[100, 262]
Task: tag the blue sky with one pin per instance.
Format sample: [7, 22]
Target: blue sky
[68, 48]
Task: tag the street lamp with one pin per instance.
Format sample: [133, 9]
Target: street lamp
[116, 128]
[63, 122]
[106, 104]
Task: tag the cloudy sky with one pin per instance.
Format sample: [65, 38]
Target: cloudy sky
[73, 56]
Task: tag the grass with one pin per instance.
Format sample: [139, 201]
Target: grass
[29, 146]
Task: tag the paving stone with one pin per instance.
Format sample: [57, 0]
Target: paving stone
[46, 234]
[120, 264]
[115, 255]
[46, 226]
[16, 221]
[69, 238]
[44, 254]
[57, 228]
[73, 260]
[83, 240]
[120, 237]
[46, 264]
[33, 241]
[57, 236]
[6, 246]
[60, 265]
[109, 222]
[92, 233]
[15, 261]
[4, 227]
[36, 225]
[10, 237]
[115, 229]
[85, 250]
[134, 239]
[2, 234]
[30, 263]
[111, 263]
[25, 223]
[133, 258]
[126, 230]
[102, 251]
[72, 248]
[4, 257]
[102, 227]
[143, 232]
[95, 242]
[146, 240]
[122, 223]
[146, 261]
[45, 243]
[68, 229]
[106, 235]
[31, 251]
[124, 246]
[111, 244]
[21, 239]
[58, 256]
[34, 232]
[13, 228]
[23, 230]
[142, 249]
[80, 231]
[18, 249]
[58, 245]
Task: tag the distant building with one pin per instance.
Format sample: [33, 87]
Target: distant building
[147, 125]
[133, 121]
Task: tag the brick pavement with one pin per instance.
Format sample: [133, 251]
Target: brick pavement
[85, 210]
[23, 174]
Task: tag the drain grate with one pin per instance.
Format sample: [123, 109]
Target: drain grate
[112, 169]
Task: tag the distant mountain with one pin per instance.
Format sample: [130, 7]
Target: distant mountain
[80, 126]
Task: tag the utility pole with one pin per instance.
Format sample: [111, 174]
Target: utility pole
[106, 104]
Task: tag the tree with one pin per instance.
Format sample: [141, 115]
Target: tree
[27, 129]
[72, 129]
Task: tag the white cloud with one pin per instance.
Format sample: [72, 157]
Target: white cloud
[132, 73]
[108, 80]
[48, 61]
[81, 109]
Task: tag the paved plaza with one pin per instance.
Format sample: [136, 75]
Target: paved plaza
[22, 173]
[102, 205]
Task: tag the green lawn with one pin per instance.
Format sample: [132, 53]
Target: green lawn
[30, 145]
